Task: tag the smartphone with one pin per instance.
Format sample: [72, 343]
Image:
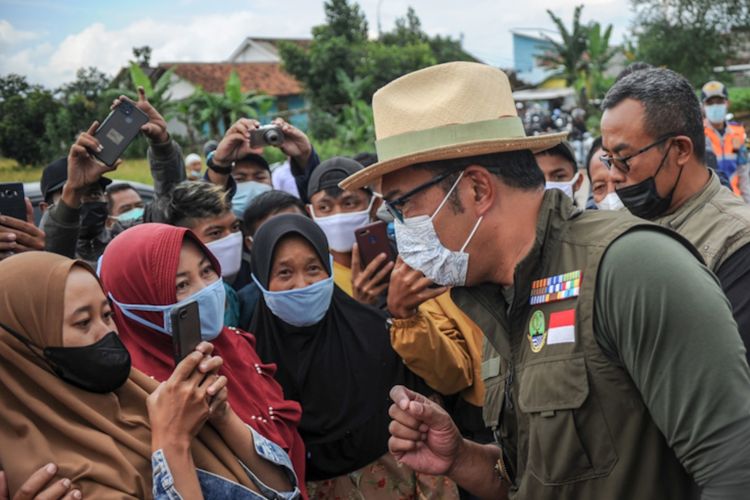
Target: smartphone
[186, 330]
[118, 130]
[11, 200]
[372, 240]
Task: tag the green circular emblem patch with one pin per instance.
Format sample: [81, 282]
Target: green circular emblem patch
[537, 331]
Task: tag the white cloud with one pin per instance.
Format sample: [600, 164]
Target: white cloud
[485, 25]
[11, 36]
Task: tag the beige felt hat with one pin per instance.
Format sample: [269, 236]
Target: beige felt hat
[451, 110]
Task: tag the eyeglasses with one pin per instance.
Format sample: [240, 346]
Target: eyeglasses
[394, 207]
[621, 163]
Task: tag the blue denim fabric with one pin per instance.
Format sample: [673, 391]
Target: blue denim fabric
[216, 487]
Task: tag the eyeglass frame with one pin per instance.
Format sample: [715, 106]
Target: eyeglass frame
[393, 206]
[609, 161]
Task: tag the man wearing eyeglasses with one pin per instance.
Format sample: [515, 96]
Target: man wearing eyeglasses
[654, 146]
[620, 373]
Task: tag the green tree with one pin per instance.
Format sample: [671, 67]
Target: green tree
[566, 56]
[24, 108]
[337, 44]
[689, 36]
[596, 59]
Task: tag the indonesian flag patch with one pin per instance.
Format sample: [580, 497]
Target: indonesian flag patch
[562, 329]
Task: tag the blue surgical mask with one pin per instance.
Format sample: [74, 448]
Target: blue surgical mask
[211, 304]
[246, 192]
[716, 113]
[133, 214]
[300, 306]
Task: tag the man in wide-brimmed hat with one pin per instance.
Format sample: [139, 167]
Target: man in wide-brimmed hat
[605, 332]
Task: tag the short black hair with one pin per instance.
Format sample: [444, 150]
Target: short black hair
[517, 169]
[191, 201]
[365, 159]
[266, 204]
[595, 146]
[117, 187]
[632, 68]
[670, 103]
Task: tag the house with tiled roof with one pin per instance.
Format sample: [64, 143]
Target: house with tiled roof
[257, 63]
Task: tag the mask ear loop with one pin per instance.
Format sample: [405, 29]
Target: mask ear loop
[471, 234]
[450, 191]
[29, 345]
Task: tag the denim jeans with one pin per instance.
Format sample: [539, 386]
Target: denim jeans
[216, 487]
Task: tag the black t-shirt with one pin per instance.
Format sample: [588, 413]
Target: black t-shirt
[734, 276]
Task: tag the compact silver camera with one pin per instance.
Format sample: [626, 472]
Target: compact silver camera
[267, 135]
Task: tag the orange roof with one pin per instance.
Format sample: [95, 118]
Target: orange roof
[267, 78]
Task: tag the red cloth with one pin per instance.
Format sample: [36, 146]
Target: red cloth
[139, 267]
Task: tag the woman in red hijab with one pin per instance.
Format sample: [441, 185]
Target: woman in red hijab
[148, 269]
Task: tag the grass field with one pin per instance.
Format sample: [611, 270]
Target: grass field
[130, 170]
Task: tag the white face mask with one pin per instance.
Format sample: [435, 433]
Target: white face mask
[228, 251]
[339, 228]
[565, 187]
[420, 247]
[716, 113]
[610, 202]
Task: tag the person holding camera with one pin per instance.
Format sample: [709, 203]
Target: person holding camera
[236, 160]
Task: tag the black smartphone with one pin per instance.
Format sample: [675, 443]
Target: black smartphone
[12, 203]
[372, 240]
[118, 130]
[186, 330]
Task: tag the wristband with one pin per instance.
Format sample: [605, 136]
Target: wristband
[217, 168]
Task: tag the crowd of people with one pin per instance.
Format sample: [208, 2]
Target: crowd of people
[441, 319]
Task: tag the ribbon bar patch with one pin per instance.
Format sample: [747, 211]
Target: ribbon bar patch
[560, 287]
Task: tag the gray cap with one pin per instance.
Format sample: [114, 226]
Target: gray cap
[330, 172]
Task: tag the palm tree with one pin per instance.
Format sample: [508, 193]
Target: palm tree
[219, 111]
[566, 55]
[596, 58]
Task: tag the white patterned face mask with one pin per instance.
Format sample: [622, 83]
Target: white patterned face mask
[610, 202]
[420, 247]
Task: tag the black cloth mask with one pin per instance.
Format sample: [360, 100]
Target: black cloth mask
[101, 367]
[643, 200]
[93, 217]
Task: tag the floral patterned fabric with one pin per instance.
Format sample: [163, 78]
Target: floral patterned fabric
[383, 479]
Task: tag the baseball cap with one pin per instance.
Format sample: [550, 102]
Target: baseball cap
[330, 172]
[714, 89]
[54, 176]
[563, 149]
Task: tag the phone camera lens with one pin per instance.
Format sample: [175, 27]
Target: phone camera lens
[183, 314]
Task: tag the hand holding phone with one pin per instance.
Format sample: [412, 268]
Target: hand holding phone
[186, 330]
[12, 201]
[372, 261]
[118, 130]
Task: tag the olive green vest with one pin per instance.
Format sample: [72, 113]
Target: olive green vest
[714, 220]
[570, 421]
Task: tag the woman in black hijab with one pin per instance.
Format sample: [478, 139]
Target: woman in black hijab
[334, 356]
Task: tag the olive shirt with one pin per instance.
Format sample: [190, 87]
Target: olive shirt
[691, 364]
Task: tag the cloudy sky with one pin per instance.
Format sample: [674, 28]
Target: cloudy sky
[48, 40]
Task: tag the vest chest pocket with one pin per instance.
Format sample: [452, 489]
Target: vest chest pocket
[568, 437]
[494, 392]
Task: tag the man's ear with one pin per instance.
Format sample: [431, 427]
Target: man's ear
[579, 182]
[43, 206]
[684, 147]
[483, 189]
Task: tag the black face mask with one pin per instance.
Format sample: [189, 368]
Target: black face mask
[93, 217]
[643, 200]
[101, 367]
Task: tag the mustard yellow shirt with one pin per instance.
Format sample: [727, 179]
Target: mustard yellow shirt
[342, 276]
